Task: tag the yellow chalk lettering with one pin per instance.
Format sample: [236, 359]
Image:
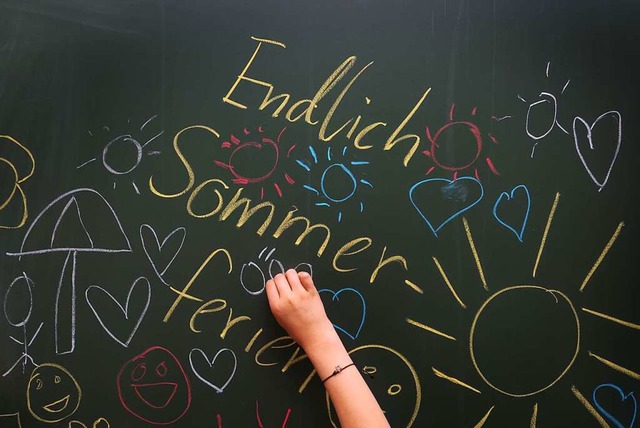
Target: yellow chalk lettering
[182, 294]
[365, 131]
[272, 345]
[266, 101]
[204, 309]
[252, 341]
[195, 194]
[232, 321]
[294, 359]
[185, 163]
[236, 201]
[392, 140]
[289, 220]
[242, 75]
[306, 381]
[294, 106]
[328, 84]
[354, 126]
[99, 423]
[344, 251]
[383, 262]
[357, 122]
[336, 103]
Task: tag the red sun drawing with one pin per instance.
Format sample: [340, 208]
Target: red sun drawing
[256, 159]
[458, 146]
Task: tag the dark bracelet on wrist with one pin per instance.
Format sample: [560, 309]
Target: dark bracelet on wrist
[336, 371]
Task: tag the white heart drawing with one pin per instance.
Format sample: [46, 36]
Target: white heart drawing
[616, 116]
[211, 362]
[160, 245]
[124, 310]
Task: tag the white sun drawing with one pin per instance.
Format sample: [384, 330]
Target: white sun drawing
[122, 154]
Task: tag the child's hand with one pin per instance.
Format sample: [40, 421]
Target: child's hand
[296, 304]
[297, 307]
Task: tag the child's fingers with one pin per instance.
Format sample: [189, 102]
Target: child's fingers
[294, 281]
[272, 292]
[307, 282]
[284, 289]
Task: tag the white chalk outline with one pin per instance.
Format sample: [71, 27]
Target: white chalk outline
[6, 297]
[309, 265]
[72, 193]
[70, 251]
[218, 389]
[124, 310]
[555, 112]
[72, 200]
[280, 265]
[126, 138]
[160, 245]
[25, 342]
[270, 268]
[553, 123]
[147, 122]
[70, 254]
[264, 281]
[590, 141]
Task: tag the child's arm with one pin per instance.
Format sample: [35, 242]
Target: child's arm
[297, 307]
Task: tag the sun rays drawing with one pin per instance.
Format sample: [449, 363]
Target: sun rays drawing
[456, 153]
[263, 173]
[532, 302]
[340, 181]
[123, 154]
[545, 103]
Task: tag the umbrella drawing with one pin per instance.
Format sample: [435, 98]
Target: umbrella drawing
[79, 221]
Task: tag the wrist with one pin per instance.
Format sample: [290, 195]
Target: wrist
[325, 341]
[326, 353]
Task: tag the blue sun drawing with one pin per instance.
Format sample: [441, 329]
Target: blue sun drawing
[340, 181]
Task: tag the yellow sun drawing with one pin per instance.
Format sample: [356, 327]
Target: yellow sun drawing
[532, 303]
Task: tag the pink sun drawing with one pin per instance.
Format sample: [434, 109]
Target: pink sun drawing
[257, 159]
[458, 146]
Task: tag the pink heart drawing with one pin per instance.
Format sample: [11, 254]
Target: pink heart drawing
[580, 144]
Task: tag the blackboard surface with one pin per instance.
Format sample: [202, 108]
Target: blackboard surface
[465, 171]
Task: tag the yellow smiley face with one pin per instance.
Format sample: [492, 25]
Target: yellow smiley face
[52, 393]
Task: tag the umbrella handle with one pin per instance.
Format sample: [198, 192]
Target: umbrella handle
[65, 318]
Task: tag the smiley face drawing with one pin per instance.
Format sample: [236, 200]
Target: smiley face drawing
[392, 379]
[154, 387]
[52, 393]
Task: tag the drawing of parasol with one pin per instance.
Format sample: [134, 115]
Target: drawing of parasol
[79, 221]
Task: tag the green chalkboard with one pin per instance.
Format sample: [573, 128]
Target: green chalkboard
[456, 175]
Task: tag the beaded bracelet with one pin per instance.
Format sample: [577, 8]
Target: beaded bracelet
[337, 370]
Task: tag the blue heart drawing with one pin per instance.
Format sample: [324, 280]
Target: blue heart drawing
[334, 297]
[623, 396]
[509, 197]
[449, 184]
